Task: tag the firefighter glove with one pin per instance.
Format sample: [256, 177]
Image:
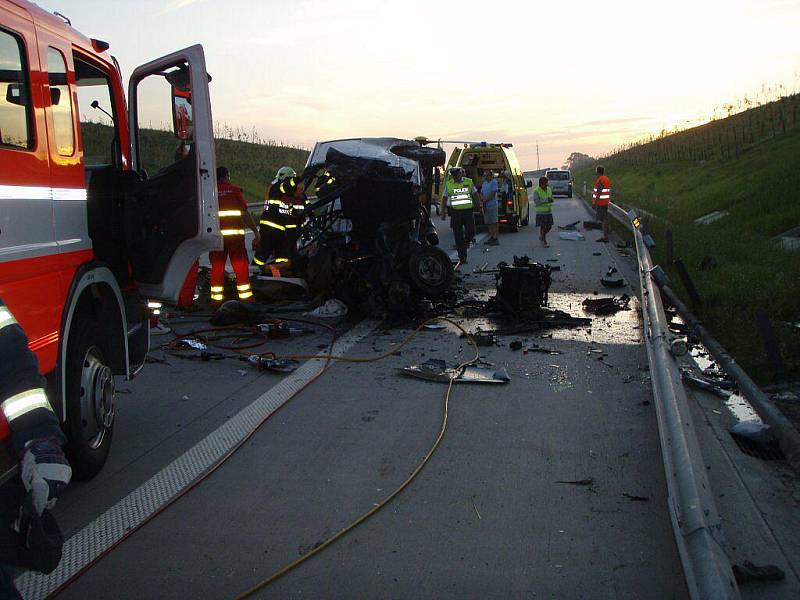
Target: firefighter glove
[45, 472]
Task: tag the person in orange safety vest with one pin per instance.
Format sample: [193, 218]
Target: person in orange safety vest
[601, 197]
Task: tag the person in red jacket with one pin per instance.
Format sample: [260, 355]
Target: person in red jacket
[601, 197]
[233, 215]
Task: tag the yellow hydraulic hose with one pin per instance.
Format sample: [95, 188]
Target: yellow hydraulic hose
[445, 405]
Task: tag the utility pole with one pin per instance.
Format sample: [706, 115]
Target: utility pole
[538, 166]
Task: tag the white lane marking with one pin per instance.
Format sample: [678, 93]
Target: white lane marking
[130, 512]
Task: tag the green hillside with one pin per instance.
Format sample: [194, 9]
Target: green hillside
[757, 183]
[252, 166]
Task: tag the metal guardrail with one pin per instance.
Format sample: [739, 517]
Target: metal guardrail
[786, 434]
[695, 520]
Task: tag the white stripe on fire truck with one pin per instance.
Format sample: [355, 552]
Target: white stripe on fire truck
[25, 192]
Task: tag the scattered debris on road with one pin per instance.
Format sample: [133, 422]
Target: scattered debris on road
[612, 283]
[634, 498]
[606, 306]
[569, 226]
[332, 309]
[581, 482]
[436, 370]
[756, 436]
[276, 365]
[720, 387]
[748, 572]
[571, 236]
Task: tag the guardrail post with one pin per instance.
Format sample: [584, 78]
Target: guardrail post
[770, 345]
[668, 234]
[683, 273]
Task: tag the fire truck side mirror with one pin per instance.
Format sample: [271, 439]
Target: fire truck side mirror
[182, 118]
[15, 94]
[55, 96]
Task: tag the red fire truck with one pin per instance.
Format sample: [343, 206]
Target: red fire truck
[98, 221]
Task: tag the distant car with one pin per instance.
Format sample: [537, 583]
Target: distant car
[560, 182]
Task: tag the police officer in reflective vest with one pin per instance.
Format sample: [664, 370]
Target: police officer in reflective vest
[29, 537]
[233, 216]
[459, 198]
[280, 221]
[601, 196]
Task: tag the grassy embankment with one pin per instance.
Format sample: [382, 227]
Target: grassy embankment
[756, 179]
[251, 165]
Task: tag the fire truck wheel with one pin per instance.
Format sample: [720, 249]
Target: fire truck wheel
[430, 270]
[90, 401]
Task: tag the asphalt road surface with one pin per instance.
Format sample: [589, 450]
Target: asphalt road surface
[549, 487]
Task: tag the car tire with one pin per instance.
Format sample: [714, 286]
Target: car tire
[89, 400]
[430, 270]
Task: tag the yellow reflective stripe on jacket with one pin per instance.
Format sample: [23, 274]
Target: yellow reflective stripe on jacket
[232, 231]
[271, 224]
[6, 318]
[230, 213]
[23, 403]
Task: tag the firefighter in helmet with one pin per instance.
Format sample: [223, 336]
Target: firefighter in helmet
[280, 221]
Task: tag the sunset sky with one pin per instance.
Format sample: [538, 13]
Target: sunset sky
[574, 76]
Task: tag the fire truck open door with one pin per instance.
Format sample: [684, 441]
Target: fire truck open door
[171, 214]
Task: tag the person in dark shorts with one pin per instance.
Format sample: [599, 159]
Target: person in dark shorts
[543, 205]
[601, 197]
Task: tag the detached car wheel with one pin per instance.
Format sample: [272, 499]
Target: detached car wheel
[430, 270]
[89, 401]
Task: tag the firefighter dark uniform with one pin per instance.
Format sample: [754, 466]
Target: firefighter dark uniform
[36, 438]
[279, 225]
[232, 207]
